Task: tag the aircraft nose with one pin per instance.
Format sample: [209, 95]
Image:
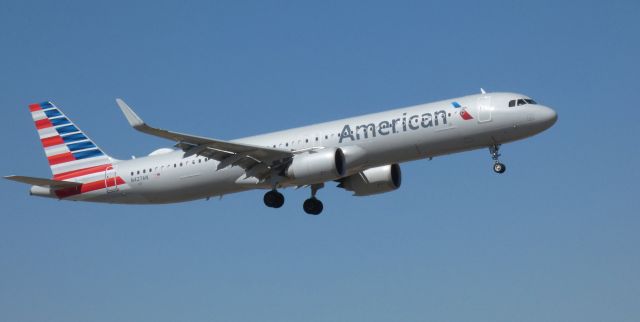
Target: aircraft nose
[546, 116]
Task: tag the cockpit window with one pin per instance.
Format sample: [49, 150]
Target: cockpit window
[522, 101]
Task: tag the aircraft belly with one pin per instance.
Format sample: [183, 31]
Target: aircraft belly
[197, 184]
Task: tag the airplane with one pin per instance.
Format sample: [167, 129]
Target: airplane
[362, 154]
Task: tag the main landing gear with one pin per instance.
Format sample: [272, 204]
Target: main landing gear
[273, 199]
[312, 206]
[495, 154]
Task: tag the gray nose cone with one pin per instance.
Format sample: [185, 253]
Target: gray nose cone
[546, 116]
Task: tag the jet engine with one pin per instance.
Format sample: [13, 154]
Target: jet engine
[355, 159]
[373, 181]
[317, 166]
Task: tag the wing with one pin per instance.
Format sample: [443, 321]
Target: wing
[257, 161]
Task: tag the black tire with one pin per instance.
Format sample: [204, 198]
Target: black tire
[279, 200]
[268, 199]
[313, 206]
[499, 167]
[273, 199]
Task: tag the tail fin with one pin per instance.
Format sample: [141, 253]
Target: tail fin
[70, 152]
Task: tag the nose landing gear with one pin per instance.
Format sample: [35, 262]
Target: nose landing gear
[495, 154]
[499, 167]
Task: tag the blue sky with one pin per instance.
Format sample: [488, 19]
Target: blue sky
[554, 239]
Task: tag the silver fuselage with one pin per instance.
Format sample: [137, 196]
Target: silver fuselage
[393, 136]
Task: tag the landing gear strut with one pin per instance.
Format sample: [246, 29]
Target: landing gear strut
[313, 206]
[495, 154]
[273, 199]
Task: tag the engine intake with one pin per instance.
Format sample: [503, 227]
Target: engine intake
[373, 181]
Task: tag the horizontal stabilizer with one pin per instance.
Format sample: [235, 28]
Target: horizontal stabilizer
[44, 182]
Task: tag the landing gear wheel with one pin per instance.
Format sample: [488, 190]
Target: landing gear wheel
[495, 154]
[312, 206]
[499, 167]
[273, 199]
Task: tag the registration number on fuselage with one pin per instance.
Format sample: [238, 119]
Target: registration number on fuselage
[139, 178]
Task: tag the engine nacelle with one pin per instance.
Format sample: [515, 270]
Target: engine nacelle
[317, 166]
[355, 158]
[373, 181]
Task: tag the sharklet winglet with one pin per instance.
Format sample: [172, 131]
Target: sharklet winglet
[134, 120]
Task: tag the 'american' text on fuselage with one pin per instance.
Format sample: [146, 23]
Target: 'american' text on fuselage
[385, 127]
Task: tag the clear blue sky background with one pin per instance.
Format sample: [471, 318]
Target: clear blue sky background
[554, 239]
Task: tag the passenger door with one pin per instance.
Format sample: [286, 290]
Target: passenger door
[110, 179]
[484, 109]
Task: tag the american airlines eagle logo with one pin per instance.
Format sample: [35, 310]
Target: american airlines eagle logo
[463, 112]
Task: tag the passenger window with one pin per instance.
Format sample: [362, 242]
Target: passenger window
[144, 170]
[512, 103]
[138, 171]
[131, 172]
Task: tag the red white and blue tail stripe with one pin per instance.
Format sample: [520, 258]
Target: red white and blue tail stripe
[70, 152]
